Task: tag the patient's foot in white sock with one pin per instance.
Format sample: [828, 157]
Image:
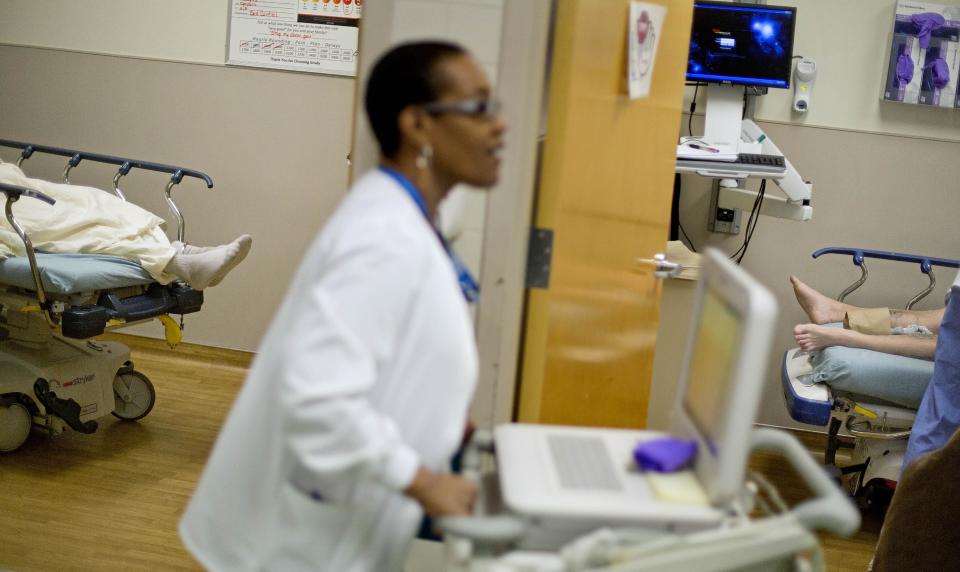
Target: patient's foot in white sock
[819, 308]
[244, 242]
[201, 269]
[185, 248]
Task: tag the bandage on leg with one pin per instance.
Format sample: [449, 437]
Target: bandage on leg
[874, 321]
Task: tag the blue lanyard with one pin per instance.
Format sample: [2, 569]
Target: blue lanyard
[469, 287]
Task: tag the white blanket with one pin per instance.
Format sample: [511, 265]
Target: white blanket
[84, 220]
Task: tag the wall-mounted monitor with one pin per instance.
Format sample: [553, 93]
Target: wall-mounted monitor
[746, 44]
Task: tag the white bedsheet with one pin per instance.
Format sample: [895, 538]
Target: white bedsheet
[85, 220]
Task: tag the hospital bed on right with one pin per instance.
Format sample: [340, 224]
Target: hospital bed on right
[867, 395]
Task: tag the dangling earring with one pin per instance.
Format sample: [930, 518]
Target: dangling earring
[424, 157]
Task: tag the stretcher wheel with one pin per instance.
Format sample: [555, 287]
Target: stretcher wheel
[133, 395]
[15, 422]
[875, 497]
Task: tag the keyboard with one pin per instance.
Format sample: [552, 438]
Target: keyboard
[761, 160]
[749, 163]
[583, 463]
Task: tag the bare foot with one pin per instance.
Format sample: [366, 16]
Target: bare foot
[819, 308]
[811, 337]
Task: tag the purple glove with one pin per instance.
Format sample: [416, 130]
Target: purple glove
[904, 69]
[939, 72]
[666, 455]
[928, 22]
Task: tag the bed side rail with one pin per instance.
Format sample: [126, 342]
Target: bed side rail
[861, 254]
[13, 195]
[126, 165]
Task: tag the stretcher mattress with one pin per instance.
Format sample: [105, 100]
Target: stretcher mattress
[73, 273]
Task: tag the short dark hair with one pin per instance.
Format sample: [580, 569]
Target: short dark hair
[406, 75]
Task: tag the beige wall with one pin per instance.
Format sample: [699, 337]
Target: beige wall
[178, 30]
[850, 41]
[279, 166]
[872, 191]
[274, 143]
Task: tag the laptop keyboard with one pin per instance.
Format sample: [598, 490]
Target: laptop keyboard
[583, 463]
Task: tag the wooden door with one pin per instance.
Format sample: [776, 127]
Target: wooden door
[605, 187]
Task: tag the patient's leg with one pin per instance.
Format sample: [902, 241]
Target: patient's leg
[813, 337]
[929, 318]
[191, 248]
[204, 269]
[820, 309]
[245, 241]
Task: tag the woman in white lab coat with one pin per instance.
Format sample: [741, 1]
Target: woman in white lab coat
[339, 440]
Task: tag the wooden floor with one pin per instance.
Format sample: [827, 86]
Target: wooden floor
[842, 554]
[112, 500]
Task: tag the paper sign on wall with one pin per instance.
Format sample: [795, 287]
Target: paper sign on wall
[302, 35]
[643, 36]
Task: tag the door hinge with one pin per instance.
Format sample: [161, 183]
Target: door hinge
[539, 255]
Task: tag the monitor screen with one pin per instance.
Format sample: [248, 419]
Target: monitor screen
[709, 383]
[749, 44]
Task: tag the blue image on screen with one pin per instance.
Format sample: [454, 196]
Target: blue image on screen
[741, 44]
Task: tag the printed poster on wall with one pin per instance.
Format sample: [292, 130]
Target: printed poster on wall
[319, 36]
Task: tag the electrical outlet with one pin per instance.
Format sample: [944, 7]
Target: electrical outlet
[727, 221]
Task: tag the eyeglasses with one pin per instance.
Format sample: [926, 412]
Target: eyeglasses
[485, 108]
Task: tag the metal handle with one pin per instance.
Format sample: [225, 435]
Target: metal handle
[859, 255]
[181, 224]
[852, 423]
[28, 149]
[830, 509]
[124, 169]
[923, 294]
[13, 194]
[849, 290]
[484, 531]
[662, 268]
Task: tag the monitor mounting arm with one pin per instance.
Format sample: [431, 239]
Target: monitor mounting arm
[794, 205]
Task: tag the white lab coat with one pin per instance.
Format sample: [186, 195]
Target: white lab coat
[366, 372]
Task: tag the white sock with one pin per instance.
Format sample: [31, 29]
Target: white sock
[243, 242]
[202, 268]
[190, 248]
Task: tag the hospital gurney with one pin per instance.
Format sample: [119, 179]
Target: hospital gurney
[760, 533]
[872, 395]
[52, 374]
